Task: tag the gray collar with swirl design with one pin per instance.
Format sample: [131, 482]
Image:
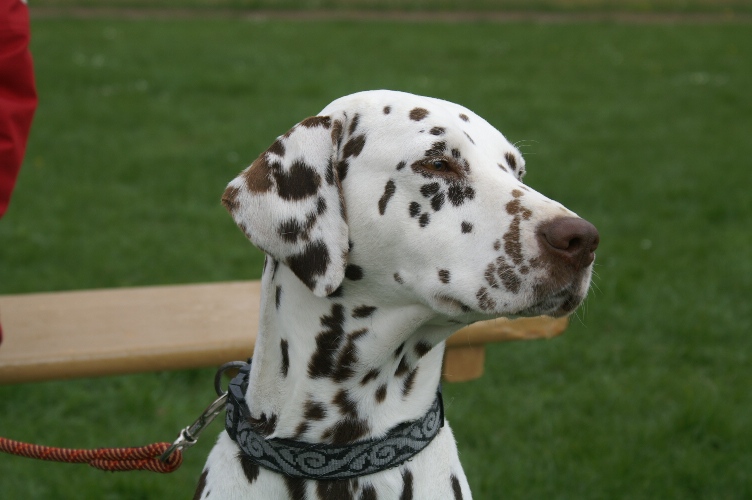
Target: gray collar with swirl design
[325, 461]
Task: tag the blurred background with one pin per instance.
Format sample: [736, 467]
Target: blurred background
[637, 115]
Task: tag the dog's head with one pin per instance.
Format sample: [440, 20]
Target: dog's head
[417, 199]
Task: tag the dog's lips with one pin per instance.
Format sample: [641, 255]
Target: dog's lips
[556, 305]
[452, 304]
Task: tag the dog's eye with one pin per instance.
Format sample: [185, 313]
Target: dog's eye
[438, 165]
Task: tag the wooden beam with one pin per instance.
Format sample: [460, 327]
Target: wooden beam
[60, 335]
[463, 363]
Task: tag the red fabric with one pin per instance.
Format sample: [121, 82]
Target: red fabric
[18, 96]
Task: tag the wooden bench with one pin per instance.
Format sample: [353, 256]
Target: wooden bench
[60, 335]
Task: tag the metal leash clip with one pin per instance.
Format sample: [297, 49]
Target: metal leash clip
[189, 436]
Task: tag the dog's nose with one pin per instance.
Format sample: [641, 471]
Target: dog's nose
[571, 239]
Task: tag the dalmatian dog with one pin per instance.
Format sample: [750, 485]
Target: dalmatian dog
[389, 221]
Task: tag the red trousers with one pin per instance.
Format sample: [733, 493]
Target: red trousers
[18, 96]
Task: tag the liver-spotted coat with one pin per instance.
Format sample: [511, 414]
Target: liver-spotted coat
[389, 221]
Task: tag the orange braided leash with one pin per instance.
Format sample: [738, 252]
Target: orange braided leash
[107, 459]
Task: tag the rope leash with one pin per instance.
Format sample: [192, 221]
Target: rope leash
[107, 459]
[157, 457]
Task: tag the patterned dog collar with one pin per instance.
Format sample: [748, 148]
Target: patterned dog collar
[324, 461]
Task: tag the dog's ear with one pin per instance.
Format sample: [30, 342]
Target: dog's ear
[289, 203]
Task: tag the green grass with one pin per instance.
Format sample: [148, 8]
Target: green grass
[644, 6]
[644, 130]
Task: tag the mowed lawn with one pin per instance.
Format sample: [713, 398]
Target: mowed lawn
[644, 130]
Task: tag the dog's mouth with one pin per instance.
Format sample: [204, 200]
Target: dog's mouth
[452, 304]
[547, 300]
[557, 304]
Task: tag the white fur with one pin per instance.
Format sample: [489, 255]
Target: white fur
[425, 280]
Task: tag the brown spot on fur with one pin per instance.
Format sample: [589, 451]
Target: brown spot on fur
[277, 148]
[389, 190]
[508, 277]
[437, 202]
[354, 124]
[381, 393]
[299, 183]
[334, 490]
[301, 429]
[354, 146]
[274, 266]
[314, 411]
[459, 194]
[414, 209]
[327, 343]
[387, 110]
[444, 276]
[422, 348]
[296, 487]
[509, 157]
[292, 230]
[345, 403]
[329, 173]
[353, 272]
[407, 386]
[258, 176]
[285, 356]
[515, 207]
[398, 351]
[484, 300]
[464, 117]
[437, 131]
[342, 167]
[201, 485]
[407, 485]
[456, 487]
[402, 368]
[363, 311]
[437, 149]
[312, 262]
[517, 193]
[250, 468]
[337, 133]
[418, 114]
[371, 375]
[317, 121]
[348, 357]
[230, 199]
[512, 242]
[490, 276]
[368, 493]
[347, 430]
[399, 279]
[263, 425]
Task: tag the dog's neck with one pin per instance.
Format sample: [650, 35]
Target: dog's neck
[338, 369]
